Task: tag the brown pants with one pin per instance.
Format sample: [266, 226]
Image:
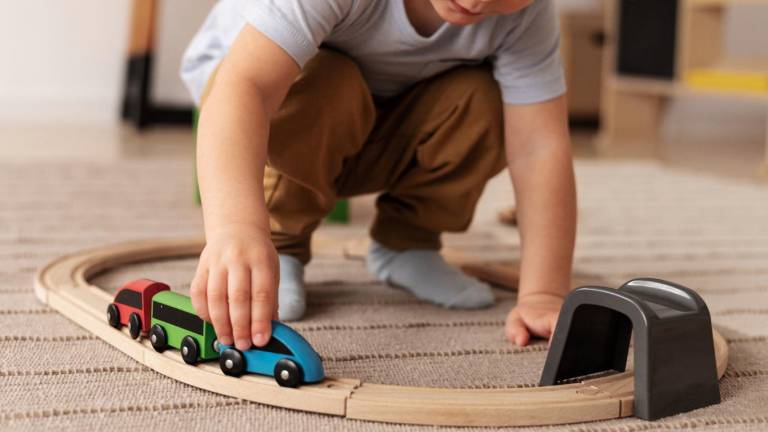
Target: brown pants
[430, 152]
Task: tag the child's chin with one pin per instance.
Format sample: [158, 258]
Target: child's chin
[462, 20]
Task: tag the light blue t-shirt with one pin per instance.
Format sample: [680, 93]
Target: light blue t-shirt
[523, 47]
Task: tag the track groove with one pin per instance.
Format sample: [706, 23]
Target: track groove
[395, 326]
[422, 354]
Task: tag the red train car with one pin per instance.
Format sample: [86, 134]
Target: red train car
[132, 306]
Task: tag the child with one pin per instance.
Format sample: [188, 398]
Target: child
[304, 102]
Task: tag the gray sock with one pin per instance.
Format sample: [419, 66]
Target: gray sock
[427, 276]
[291, 297]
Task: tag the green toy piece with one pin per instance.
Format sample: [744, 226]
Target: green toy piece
[175, 324]
[340, 213]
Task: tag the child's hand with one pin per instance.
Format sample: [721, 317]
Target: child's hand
[534, 315]
[235, 287]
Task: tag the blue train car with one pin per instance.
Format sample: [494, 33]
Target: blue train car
[288, 357]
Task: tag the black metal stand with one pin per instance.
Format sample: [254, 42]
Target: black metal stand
[138, 107]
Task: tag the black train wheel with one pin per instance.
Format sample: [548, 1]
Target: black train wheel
[158, 338]
[113, 316]
[232, 362]
[134, 325]
[288, 373]
[190, 350]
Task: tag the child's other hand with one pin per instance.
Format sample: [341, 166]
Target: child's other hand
[235, 287]
[534, 315]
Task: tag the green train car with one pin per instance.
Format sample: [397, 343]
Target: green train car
[175, 324]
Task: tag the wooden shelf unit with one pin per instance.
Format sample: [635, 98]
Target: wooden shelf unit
[702, 61]
[632, 107]
[704, 3]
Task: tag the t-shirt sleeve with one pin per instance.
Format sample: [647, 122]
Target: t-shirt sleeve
[298, 26]
[527, 65]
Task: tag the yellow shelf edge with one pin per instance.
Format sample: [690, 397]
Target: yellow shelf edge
[728, 80]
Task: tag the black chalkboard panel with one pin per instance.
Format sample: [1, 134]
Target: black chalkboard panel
[647, 34]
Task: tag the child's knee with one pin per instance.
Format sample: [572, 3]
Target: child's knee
[474, 127]
[333, 80]
[485, 113]
[325, 118]
[483, 99]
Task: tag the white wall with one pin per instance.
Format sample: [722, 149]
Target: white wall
[178, 21]
[64, 60]
[747, 33]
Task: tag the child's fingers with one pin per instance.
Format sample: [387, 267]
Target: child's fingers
[516, 331]
[262, 306]
[553, 324]
[239, 296]
[197, 292]
[543, 325]
[217, 305]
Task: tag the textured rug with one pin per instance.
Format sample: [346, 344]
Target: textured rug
[636, 219]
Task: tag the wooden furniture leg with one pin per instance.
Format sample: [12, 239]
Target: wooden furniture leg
[631, 123]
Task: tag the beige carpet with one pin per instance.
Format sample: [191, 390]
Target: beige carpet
[636, 219]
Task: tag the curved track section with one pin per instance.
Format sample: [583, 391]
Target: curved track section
[63, 285]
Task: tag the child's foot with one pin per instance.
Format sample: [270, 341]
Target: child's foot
[291, 297]
[426, 274]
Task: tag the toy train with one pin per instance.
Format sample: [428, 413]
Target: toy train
[150, 308]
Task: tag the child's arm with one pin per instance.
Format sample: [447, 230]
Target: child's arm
[540, 163]
[236, 281]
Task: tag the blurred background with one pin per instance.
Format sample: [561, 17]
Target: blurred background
[683, 82]
[668, 101]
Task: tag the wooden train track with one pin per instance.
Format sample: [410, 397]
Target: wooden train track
[63, 284]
